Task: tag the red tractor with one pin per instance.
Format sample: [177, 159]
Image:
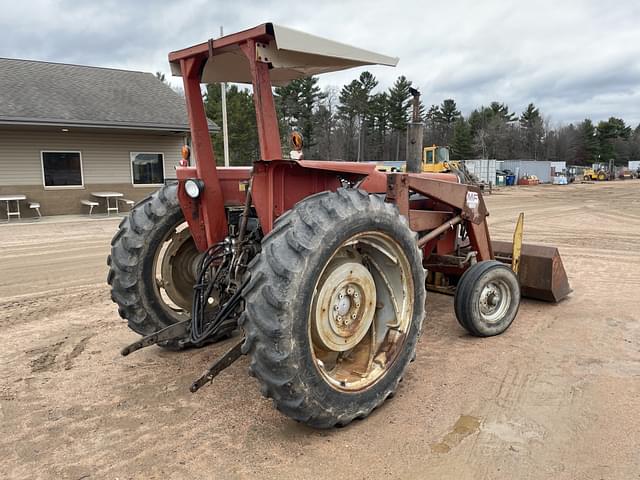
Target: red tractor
[322, 266]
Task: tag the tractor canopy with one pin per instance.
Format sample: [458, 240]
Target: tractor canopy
[291, 54]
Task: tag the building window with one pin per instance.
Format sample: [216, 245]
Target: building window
[147, 168]
[62, 169]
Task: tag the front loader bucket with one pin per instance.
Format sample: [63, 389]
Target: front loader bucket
[541, 272]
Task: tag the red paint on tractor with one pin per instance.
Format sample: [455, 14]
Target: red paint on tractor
[210, 217]
[266, 119]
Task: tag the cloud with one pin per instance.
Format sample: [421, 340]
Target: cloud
[573, 59]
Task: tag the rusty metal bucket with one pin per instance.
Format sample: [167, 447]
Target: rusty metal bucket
[541, 273]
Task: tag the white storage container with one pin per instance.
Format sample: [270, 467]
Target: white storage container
[483, 169]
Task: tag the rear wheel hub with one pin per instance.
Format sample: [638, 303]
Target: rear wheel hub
[345, 307]
[176, 263]
[361, 311]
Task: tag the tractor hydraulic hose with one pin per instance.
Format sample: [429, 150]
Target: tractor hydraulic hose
[223, 313]
[202, 290]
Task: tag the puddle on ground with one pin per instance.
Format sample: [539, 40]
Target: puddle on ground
[465, 426]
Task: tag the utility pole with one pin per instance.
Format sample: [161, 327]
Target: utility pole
[415, 132]
[225, 131]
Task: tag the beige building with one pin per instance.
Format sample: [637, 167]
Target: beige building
[67, 131]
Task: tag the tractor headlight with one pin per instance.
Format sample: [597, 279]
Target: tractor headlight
[194, 187]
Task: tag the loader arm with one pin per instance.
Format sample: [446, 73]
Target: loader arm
[447, 256]
[463, 204]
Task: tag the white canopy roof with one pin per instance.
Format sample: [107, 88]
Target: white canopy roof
[292, 54]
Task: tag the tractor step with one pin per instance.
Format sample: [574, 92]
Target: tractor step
[177, 331]
[218, 366]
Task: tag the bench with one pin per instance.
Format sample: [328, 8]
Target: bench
[127, 202]
[89, 204]
[35, 206]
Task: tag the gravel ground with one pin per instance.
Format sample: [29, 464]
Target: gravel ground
[557, 396]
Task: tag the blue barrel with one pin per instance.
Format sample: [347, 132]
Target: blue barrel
[511, 179]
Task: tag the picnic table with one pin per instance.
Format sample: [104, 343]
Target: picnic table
[14, 197]
[107, 196]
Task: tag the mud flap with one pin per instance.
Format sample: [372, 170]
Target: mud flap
[541, 272]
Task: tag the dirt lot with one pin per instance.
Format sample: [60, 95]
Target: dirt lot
[557, 396]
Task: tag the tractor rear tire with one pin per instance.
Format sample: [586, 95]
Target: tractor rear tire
[328, 233]
[134, 270]
[487, 298]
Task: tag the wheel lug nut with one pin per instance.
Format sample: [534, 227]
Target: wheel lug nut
[355, 295]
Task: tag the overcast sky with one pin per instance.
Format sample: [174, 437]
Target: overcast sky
[573, 59]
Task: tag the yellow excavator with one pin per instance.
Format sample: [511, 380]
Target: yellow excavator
[435, 159]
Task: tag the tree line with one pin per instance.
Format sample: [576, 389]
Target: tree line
[360, 123]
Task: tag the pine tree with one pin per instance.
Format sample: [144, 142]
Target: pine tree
[462, 142]
[445, 116]
[533, 131]
[368, 82]
[349, 109]
[612, 135]
[296, 103]
[493, 131]
[399, 105]
[355, 102]
[243, 134]
[501, 111]
[379, 114]
[448, 112]
[587, 145]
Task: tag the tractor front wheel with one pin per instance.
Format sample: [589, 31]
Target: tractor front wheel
[334, 307]
[487, 298]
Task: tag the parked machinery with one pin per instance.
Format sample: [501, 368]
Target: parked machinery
[589, 174]
[435, 159]
[320, 265]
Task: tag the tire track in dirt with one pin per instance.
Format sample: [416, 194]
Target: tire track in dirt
[23, 309]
